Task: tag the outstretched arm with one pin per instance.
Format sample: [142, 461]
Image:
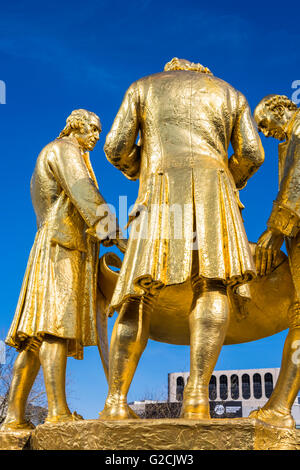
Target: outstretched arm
[284, 219]
[286, 208]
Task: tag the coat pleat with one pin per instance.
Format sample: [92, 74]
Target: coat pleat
[202, 218]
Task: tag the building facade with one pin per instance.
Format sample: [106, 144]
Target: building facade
[234, 393]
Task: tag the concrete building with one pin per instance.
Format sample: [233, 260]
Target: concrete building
[232, 394]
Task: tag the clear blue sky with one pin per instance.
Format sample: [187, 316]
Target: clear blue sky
[59, 56]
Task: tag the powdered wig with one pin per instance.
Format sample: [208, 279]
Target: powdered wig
[77, 120]
[183, 64]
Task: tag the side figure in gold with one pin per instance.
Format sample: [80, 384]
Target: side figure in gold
[56, 312]
[279, 117]
[186, 119]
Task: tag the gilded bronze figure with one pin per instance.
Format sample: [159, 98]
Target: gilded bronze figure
[277, 116]
[186, 119]
[56, 312]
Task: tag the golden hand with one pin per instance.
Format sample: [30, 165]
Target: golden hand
[267, 248]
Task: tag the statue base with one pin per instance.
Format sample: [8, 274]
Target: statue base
[156, 434]
[15, 440]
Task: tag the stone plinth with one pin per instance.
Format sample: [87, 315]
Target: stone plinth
[154, 434]
[15, 440]
[164, 434]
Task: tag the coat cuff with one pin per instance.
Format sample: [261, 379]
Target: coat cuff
[238, 172]
[284, 220]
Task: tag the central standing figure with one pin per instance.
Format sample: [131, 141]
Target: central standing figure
[186, 119]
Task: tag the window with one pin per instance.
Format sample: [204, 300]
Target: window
[257, 389]
[246, 386]
[234, 383]
[223, 387]
[213, 388]
[268, 384]
[179, 388]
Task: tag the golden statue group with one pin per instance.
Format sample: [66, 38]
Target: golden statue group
[189, 274]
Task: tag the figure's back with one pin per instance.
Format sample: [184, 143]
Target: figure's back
[186, 119]
[43, 185]
[186, 115]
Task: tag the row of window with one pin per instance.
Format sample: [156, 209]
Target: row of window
[232, 390]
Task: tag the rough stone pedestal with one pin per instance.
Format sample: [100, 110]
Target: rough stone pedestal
[15, 440]
[164, 434]
[154, 434]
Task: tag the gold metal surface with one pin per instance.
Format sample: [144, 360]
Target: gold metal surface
[189, 274]
[277, 116]
[56, 313]
[164, 434]
[264, 314]
[15, 440]
[154, 434]
[185, 118]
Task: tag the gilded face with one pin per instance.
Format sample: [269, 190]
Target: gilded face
[90, 135]
[269, 124]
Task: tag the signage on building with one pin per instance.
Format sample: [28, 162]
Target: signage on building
[226, 409]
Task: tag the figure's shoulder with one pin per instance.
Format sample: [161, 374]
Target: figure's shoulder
[64, 144]
[148, 78]
[45, 151]
[157, 78]
[228, 89]
[139, 87]
[223, 84]
[237, 98]
[184, 75]
[181, 79]
[60, 147]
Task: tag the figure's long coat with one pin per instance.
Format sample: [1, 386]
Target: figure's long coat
[186, 122]
[285, 215]
[58, 295]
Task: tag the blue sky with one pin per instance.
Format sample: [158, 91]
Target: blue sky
[66, 55]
